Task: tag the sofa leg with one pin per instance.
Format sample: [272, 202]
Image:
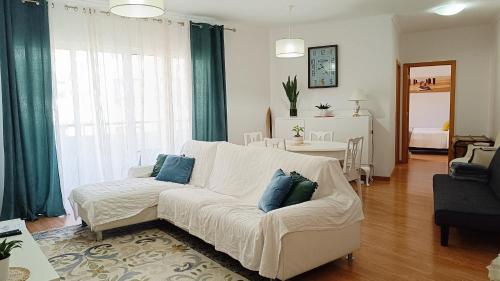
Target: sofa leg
[350, 257]
[98, 236]
[445, 232]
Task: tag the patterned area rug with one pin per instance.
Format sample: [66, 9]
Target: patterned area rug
[145, 252]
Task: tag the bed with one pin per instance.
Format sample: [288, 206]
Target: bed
[429, 138]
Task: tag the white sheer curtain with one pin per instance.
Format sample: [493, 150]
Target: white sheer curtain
[122, 92]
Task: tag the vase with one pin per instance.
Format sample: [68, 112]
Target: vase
[4, 269]
[298, 140]
[293, 112]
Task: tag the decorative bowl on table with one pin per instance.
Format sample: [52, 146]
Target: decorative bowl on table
[324, 110]
[326, 113]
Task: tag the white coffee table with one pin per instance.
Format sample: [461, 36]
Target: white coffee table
[29, 256]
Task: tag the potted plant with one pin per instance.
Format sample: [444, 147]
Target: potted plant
[292, 94]
[298, 139]
[324, 109]
[5, 249]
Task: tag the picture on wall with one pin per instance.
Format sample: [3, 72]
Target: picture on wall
[430, 84]
[323, 66]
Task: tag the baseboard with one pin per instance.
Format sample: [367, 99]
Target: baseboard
[434, 151]
[379, 178]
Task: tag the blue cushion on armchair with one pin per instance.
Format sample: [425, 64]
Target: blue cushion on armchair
[176, 169]
[276, 191]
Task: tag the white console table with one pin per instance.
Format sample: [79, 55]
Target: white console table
[343, 125]
[29, 255]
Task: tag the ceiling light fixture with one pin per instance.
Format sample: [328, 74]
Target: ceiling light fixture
[449, 9]
[290, 47]
[137, 8]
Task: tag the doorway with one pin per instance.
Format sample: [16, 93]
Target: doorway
[428, 107]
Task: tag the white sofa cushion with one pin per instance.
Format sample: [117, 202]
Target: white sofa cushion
[111, 201]
[204, 155]
[244, 172]
[235, 229]
[231, 226]
[180, 205]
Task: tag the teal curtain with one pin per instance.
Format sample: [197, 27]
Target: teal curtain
[31, 184]
[209, 82]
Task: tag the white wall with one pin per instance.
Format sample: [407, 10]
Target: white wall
[247, 78]
[367, 61]
[472, 48]
[429, 110]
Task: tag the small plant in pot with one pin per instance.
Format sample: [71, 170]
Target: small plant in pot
[324, 109]
[5, 249]
[298, 139]
[292, 94]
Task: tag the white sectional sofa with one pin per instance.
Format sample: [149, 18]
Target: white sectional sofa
[219, 205]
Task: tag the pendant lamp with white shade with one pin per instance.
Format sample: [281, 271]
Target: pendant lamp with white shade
[290, 47]
[137, 8]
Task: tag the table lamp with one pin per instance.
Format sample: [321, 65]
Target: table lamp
[357, 97]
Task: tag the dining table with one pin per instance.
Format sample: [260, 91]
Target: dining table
[332, 149]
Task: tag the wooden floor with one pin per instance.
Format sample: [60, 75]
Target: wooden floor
[430, 157]
[399, 238]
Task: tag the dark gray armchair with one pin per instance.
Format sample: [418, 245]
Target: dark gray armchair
[468, 198]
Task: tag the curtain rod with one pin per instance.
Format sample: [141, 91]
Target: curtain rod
[108, 13]
[225, 28]
[75, 8]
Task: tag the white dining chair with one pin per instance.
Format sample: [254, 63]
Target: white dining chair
[352, 162]
[278, 143]
[252, 137]
[321, 135]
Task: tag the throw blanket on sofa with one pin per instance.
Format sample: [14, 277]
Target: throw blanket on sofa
[100, 200]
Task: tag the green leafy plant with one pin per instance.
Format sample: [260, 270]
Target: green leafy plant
[323, 106]
[7, 247]
[291, 91]
[298, 129]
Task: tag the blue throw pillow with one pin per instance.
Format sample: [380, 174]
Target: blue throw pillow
[176, 169]
[276, 191]
[159, 163]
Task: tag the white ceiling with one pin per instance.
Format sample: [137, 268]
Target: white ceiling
[411, 15]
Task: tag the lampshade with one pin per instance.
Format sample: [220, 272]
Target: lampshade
[137, 8]
[289, 48]
[358, 96]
